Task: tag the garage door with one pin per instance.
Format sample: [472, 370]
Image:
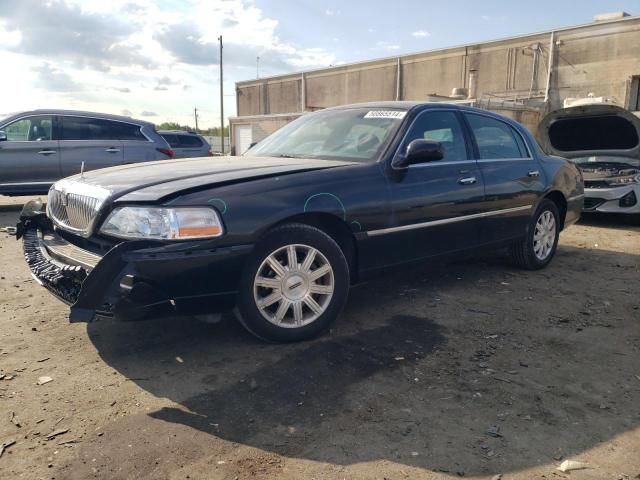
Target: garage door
[244, 138]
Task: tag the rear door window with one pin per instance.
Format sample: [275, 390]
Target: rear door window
[496, 139]
[85, 128]
[30, 129]
[189, 141]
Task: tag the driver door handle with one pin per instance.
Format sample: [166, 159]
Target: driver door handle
[112, 150]
[534, 173]
[467, 181]
[46, 152]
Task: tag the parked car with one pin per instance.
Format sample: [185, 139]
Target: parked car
[186, 144]
[41, 146]
[604, 141]
[282, 232]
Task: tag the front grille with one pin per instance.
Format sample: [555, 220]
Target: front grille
[74, 211]
[596, 184]
[591, 203]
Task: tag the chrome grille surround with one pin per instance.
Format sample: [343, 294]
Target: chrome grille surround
[74, 205]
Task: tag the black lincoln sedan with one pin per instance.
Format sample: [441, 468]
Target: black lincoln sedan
[281, 233]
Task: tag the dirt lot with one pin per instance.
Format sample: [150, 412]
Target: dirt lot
[473, 369]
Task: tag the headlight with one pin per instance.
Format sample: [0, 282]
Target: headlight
[163, 223]
[616, 182]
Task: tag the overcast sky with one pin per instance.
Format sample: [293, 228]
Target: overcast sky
[159, 59]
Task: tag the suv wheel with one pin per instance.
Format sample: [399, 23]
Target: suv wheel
[539, 246]
[294, 285]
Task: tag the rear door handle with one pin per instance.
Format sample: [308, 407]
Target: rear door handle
[467, 181]
[112, 150]
[47, 152]
[534, 173]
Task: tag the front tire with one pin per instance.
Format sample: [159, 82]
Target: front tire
[294, 285]
[539, 246]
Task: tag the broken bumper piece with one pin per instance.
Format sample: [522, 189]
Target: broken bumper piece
[133, 280]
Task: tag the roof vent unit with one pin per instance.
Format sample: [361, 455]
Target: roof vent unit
[609, 16]
[459, 93]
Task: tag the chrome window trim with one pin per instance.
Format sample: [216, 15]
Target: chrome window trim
[444, 221]
[526, 144]
[435, 163]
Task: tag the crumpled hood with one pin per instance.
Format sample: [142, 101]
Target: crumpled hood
[591, 130]
[153, 180]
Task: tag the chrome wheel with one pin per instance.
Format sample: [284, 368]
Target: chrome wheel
[293, 286]
[544, 236]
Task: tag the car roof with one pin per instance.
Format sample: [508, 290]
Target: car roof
[81, 113]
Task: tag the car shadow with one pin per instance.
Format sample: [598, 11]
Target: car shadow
[454, 368]
[618, 221]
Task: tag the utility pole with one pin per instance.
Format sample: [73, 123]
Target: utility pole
[221, 101]
[257, 67]
[195, 114]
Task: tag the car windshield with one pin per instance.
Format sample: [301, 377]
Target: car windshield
[358, 134]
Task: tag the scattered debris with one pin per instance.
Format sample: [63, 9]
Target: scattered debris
[569, 465]
[494, 431]
[43, 380]
[179, 360]
[497, 477]
[43, 359]
[13, 419]
[55, 433]
[253, 385]
[5, 445]
[113, 403]
[398, 359]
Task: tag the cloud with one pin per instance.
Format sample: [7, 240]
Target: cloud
[54, 80]
[420, 33]
[485, 17]
[126, 113]
[188, 45]
[387, 45]
[148, 114]
[122, 89]
[65, 31]
[161, 88]
[329, 12]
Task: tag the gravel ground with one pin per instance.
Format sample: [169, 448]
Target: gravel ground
[468, 369]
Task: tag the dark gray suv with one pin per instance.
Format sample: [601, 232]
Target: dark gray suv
[186, 144]
[41, 146]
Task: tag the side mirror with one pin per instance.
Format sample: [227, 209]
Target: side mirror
[420, 151]
[3, 136]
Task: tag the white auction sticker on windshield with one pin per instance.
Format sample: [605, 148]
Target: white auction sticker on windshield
[398, 114]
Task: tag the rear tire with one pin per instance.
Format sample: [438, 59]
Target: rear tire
[539, 246]
[294, 285]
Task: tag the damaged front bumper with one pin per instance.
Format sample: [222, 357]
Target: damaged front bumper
[624, 199]
[134, 279]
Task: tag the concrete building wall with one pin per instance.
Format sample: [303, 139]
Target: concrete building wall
[599, 58]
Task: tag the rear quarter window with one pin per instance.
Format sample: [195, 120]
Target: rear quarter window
[189, 141]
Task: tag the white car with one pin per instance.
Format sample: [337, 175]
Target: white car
[604, 141]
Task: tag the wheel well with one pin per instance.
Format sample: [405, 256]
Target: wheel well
[561, 202]
[336, 229]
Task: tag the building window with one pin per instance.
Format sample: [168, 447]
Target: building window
[634, 94]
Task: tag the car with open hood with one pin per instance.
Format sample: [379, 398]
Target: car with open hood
[604, 141]
[281, 233]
